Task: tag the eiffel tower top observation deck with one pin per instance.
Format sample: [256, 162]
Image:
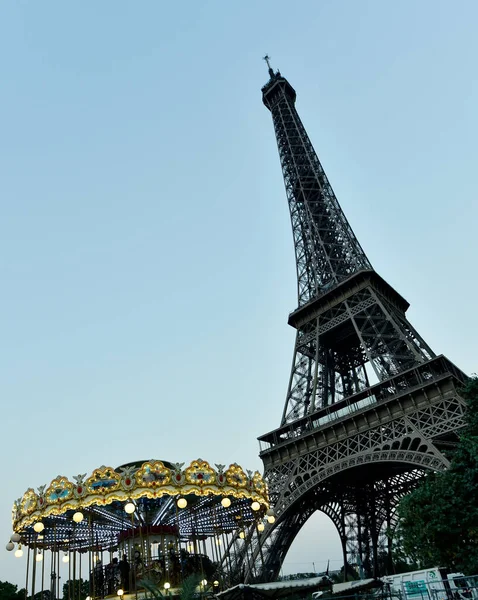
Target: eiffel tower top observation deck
[327, 251]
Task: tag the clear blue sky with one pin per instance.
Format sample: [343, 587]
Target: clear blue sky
[146, 255]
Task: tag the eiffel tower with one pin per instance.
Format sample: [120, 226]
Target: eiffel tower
[370, 407]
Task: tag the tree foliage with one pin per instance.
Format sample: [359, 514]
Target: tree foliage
[351, 575]
[10, 591]
[438, 521]
[41, 595]
[81, 591]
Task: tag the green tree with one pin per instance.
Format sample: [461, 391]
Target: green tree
[45, 595]
[82, 587]
[438, 521]
[401, 561]
[351, 574]
[9, 591]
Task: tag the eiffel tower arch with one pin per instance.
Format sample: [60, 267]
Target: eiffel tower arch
[370, 407]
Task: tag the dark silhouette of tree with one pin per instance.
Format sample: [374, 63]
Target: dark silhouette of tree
[82, 587]
[10, 591]
[351, 574]
[438, 521]
[45, 595]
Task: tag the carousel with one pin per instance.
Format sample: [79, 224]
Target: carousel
[140, 528]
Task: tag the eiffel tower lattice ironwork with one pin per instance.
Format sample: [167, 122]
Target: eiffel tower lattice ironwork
[369, 406]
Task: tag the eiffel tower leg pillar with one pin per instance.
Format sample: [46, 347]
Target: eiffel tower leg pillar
[344, 555]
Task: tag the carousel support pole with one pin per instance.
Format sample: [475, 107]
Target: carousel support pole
[58, 571]
[196, 541]
[43, 573]
[34, 570]
[69, 577]
[92, 549]
[52, 576]
[134, 562]
[142, 542]
[90, 578]
[215, 552]
[167, 560]
[107, 583]
[149, 554]
[103, 567]
[204, 551]
[98, 568]
[179, 543]
[55, 561]
[28, 569]
[79, 578]
[73, 587]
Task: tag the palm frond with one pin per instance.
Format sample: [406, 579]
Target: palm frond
[188, 589]
[152, 588]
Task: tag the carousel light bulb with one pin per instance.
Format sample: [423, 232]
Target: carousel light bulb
[218, 542]
[39, 527]
[182, 502]
[39, 557]
[120, 592]
[167, 585]
[255, 505]
[78, 517]
[15, 537]
[260, 526]
[66, 558]
[204, 582]
[271, 518]
[215, 583]
[226, 502]
[10, 546]
[129, 508]
[88, 598]
[242, 535]
[19, 552]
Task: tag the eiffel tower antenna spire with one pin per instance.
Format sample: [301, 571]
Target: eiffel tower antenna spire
[267, 58]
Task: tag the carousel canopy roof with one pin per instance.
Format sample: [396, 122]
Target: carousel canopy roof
[152, 487]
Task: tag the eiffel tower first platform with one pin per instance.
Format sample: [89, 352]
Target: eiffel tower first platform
[370, 407]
